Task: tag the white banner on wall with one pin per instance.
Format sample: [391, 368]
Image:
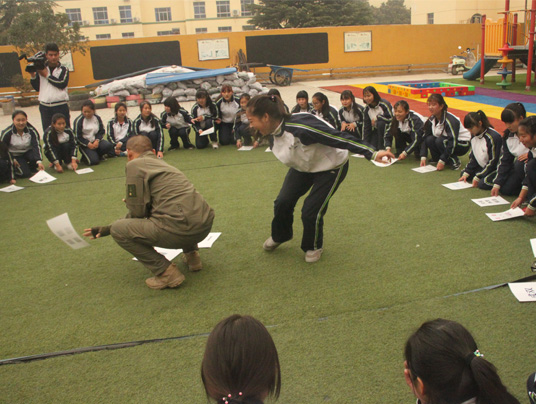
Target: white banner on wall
[210, 49]
[358, 41]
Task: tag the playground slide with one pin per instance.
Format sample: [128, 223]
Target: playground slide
[474, 73]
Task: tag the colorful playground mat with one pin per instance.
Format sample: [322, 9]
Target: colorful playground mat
[492, 102]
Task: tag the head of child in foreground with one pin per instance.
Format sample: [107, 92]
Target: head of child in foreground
[347, 99]
[371, 96]
[88, 109]
[265, 113]
[513, 114]
[302, 99]
[20, 119]
[437, 105]
[527, 132]
[120, 111]
[320, 102]
[227, 92]
[59, 123]
[476, 122]
[240, 364]
[401, 110]
[244, 99]
[146, 109]
[202, 98]
[443, 365]
[171, 106]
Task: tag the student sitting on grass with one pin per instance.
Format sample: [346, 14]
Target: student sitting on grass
[204, 112]
[240, 364]
[485, 151]
[527, 136]
[443, 365]
[149, 125]
[376, 116]
[351, 114]
[22, 142]
[243, 133]
[406, 127]
[177, 121]
[444, 136]
[89, 133]
[120, 129]
[511, 168]
[60, 144]
[322, 109]
[302, 103]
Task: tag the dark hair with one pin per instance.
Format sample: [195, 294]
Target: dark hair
[51, 47]
[18, 112]
[89, 104]
[374, 93]
[302, 94]
[267, 104]
[348, 95]
[530, 124]
[152, 118]
[173, 105]
[513, 111]
[246, 96]
[439, 99]
[53, 134]
[442, 354]
[393, 128]
[240, 361]
[275, 91]
[203, 94]
[325, 104]
[119, 105]
[474, 118]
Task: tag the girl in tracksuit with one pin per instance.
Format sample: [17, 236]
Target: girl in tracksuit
[227, 105]
[60, 144]
[376, 116]
[351, 114]
[22, 142]
[527, 136]
[177, 121]
[149, 125]
[89, 132]
[444, 135]
[322, 109]
[485, 151]
[514, 155]
[120, 129]
[317, 155]
[406, 128]
[204, 112]
[302, 103]
[243, 133]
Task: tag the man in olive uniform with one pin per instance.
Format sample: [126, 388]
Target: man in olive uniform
[164, 210]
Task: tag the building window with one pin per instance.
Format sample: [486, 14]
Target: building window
[223, 9]
[104, 36]
[201, 30]
[199, 9]
[430, 18]
[125, 14]
[162, 33]
[163, 14]
[245, 9]
[74, 15]
[225, 29]
[248, 27]
[127, 34]
[100, 15]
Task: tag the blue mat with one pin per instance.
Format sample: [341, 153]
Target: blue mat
[498, 102]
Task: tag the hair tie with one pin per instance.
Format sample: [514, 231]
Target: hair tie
[272, 98]
[469, 358]
[230, 397]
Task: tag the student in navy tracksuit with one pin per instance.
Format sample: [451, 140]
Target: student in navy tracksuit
[227, 105]
[149, 125]
[485, 151]
[177, 121]
[317, 155]
[60, 144]
[302, 103]
[322, 109]
[119, 129]
[514, 155]
[444, 135]
[527, 136]
[407, 128]
[204, 112]
[244, 133]
[376, 116]
[6, 165]
[351, 114]
[51, 83]
[22, 142]
[89, 132]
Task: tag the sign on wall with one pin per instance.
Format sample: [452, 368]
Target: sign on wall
[358, 41]
[210, 49]
[67, 61]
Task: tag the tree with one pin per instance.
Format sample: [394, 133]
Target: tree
[392, 12]
[29, 25]
[273, 14]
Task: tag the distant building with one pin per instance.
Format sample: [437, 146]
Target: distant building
[112, 19]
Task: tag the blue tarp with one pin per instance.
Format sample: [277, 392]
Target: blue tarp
[161, 78]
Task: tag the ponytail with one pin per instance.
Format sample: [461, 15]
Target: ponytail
[474, 118]
[489, 384]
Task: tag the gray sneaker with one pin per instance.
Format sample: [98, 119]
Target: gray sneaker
[270, 244]
[313, 255]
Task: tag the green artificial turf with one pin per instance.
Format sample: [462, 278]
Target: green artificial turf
[491, 82]
[398, 246]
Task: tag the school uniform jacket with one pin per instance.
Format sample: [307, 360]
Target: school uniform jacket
[164, 117]
[49, 147]
[8, 132]
[351, 116]
[512, 148]
[111, 130]
[386, 115]
[332, 118]
[234, 103]
[212, 115]
[158, 128]
[78, 127]
[451, 129]
[413, 125]
[53, 89]
[485, 153]
[306, 143]
[297, 109]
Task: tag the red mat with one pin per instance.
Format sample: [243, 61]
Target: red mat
[417, 106]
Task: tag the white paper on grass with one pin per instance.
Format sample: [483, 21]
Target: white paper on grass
[458, 185]
[533, 245]
[42, 177]
[246, 148]
[171, 253]
[209, 240]
[509, 214]
[491, 201]
[524, 291]
[11, 188]
[61, 226]
[384, 163]
[207, 132]
[426, 169]
[359, 156]
[84, 171]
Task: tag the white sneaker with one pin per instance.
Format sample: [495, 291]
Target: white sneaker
[70, 166]
[270, 244]
[215, 145]
[313, 255]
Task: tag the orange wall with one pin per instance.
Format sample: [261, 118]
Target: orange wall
[391, 45]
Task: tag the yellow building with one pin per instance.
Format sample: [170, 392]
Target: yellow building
[112, 19]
